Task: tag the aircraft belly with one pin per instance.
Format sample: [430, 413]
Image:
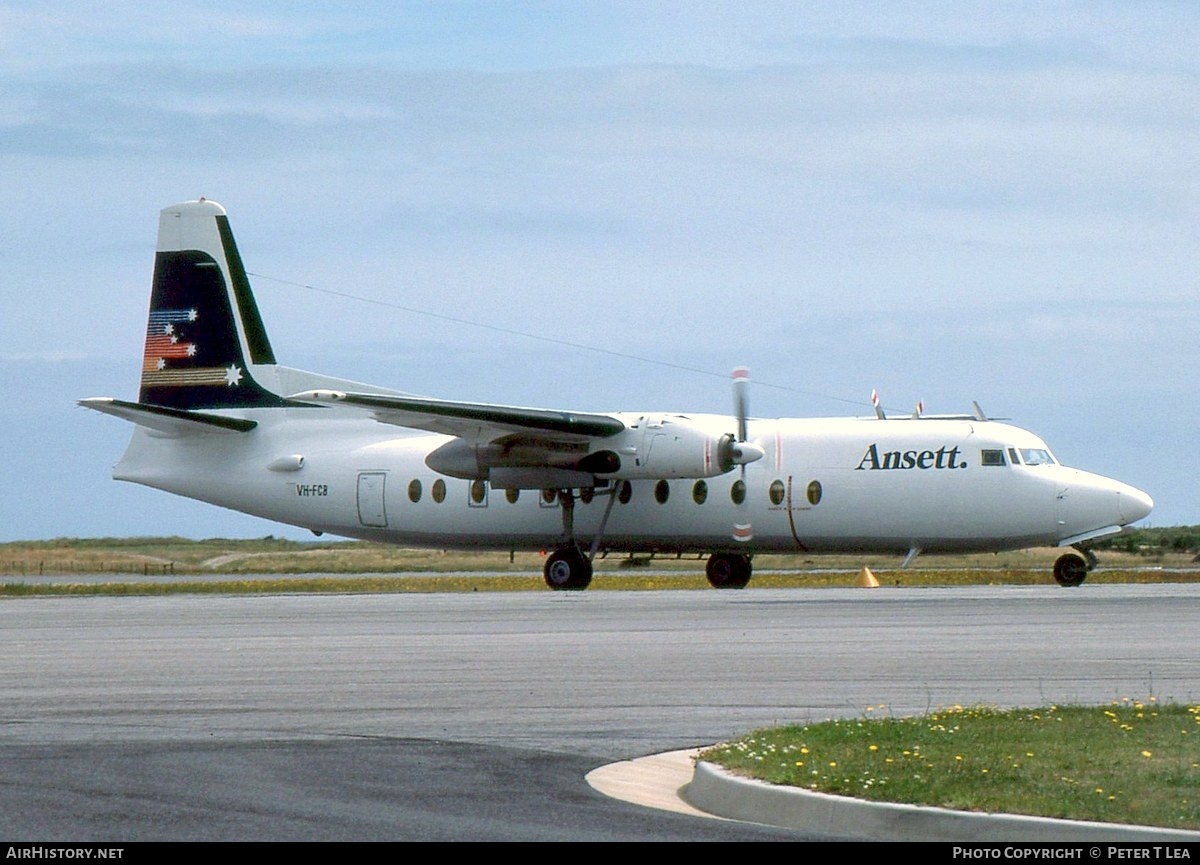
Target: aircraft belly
[529, 523]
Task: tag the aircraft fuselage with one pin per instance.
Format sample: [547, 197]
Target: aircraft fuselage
[824, 485]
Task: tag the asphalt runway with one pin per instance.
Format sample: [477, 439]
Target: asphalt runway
[476, 716]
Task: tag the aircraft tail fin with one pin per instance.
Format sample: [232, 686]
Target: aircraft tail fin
[205, 338]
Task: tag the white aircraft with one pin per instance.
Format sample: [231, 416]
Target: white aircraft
[217, 419]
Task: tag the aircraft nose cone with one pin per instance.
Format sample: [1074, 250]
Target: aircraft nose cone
[1134, 504]
[1090, 503]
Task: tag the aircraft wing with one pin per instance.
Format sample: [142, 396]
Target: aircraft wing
[472, 421]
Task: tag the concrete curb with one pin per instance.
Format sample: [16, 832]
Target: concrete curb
[717, 791]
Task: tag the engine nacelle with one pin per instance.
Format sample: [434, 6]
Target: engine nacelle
[461, 459]
[675, 448]
[669, 447]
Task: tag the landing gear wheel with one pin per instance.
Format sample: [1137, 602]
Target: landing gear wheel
[567, 569]
[728, 570]
[1070, 570]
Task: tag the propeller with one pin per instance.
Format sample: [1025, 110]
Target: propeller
[739, 451]
[734, 449]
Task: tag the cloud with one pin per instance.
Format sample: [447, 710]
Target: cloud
[943, 201]
[805, 186]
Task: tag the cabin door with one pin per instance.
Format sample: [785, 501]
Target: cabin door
[371, 511]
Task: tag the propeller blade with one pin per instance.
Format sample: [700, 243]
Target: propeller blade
[741, 399]
[742, 451]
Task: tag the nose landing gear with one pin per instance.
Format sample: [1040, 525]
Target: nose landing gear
[1072, 569]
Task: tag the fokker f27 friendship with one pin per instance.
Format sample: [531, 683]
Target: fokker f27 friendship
[217, 419]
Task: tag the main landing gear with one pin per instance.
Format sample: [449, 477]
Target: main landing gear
[570, 567]
[728, 570]
[1071, 569]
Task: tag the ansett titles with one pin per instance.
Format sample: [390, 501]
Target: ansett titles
[942, 458]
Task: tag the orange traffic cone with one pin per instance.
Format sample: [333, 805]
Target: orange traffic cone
[866, 579]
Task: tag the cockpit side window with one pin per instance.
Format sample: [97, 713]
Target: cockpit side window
[1037, 457]
[1012, 455]
[992, 457]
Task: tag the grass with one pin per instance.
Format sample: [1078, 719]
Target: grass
[1134, 761]
[175, 559]
[271, 565]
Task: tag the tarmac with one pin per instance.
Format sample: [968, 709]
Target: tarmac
[676, 781]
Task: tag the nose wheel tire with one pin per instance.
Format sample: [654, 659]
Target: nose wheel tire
[1070, 570]
[728, 571]
[567, 569]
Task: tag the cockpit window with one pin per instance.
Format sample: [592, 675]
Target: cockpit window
[990, 457]
[1037, 457]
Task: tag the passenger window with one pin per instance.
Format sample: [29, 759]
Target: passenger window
[439, 491]
[991, 457]
[737, 492]
[414, 491]
[662, 492]
[814, 493]
[512, 495]
[478, 492]
[699, 492]
[775, 492]
[625, 493]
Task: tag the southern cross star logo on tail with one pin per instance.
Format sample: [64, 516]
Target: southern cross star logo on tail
[170, 356]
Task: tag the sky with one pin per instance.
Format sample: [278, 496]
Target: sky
[607, 206]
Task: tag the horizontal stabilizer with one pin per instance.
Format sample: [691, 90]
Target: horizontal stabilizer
[468, 419]
[171, 421]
